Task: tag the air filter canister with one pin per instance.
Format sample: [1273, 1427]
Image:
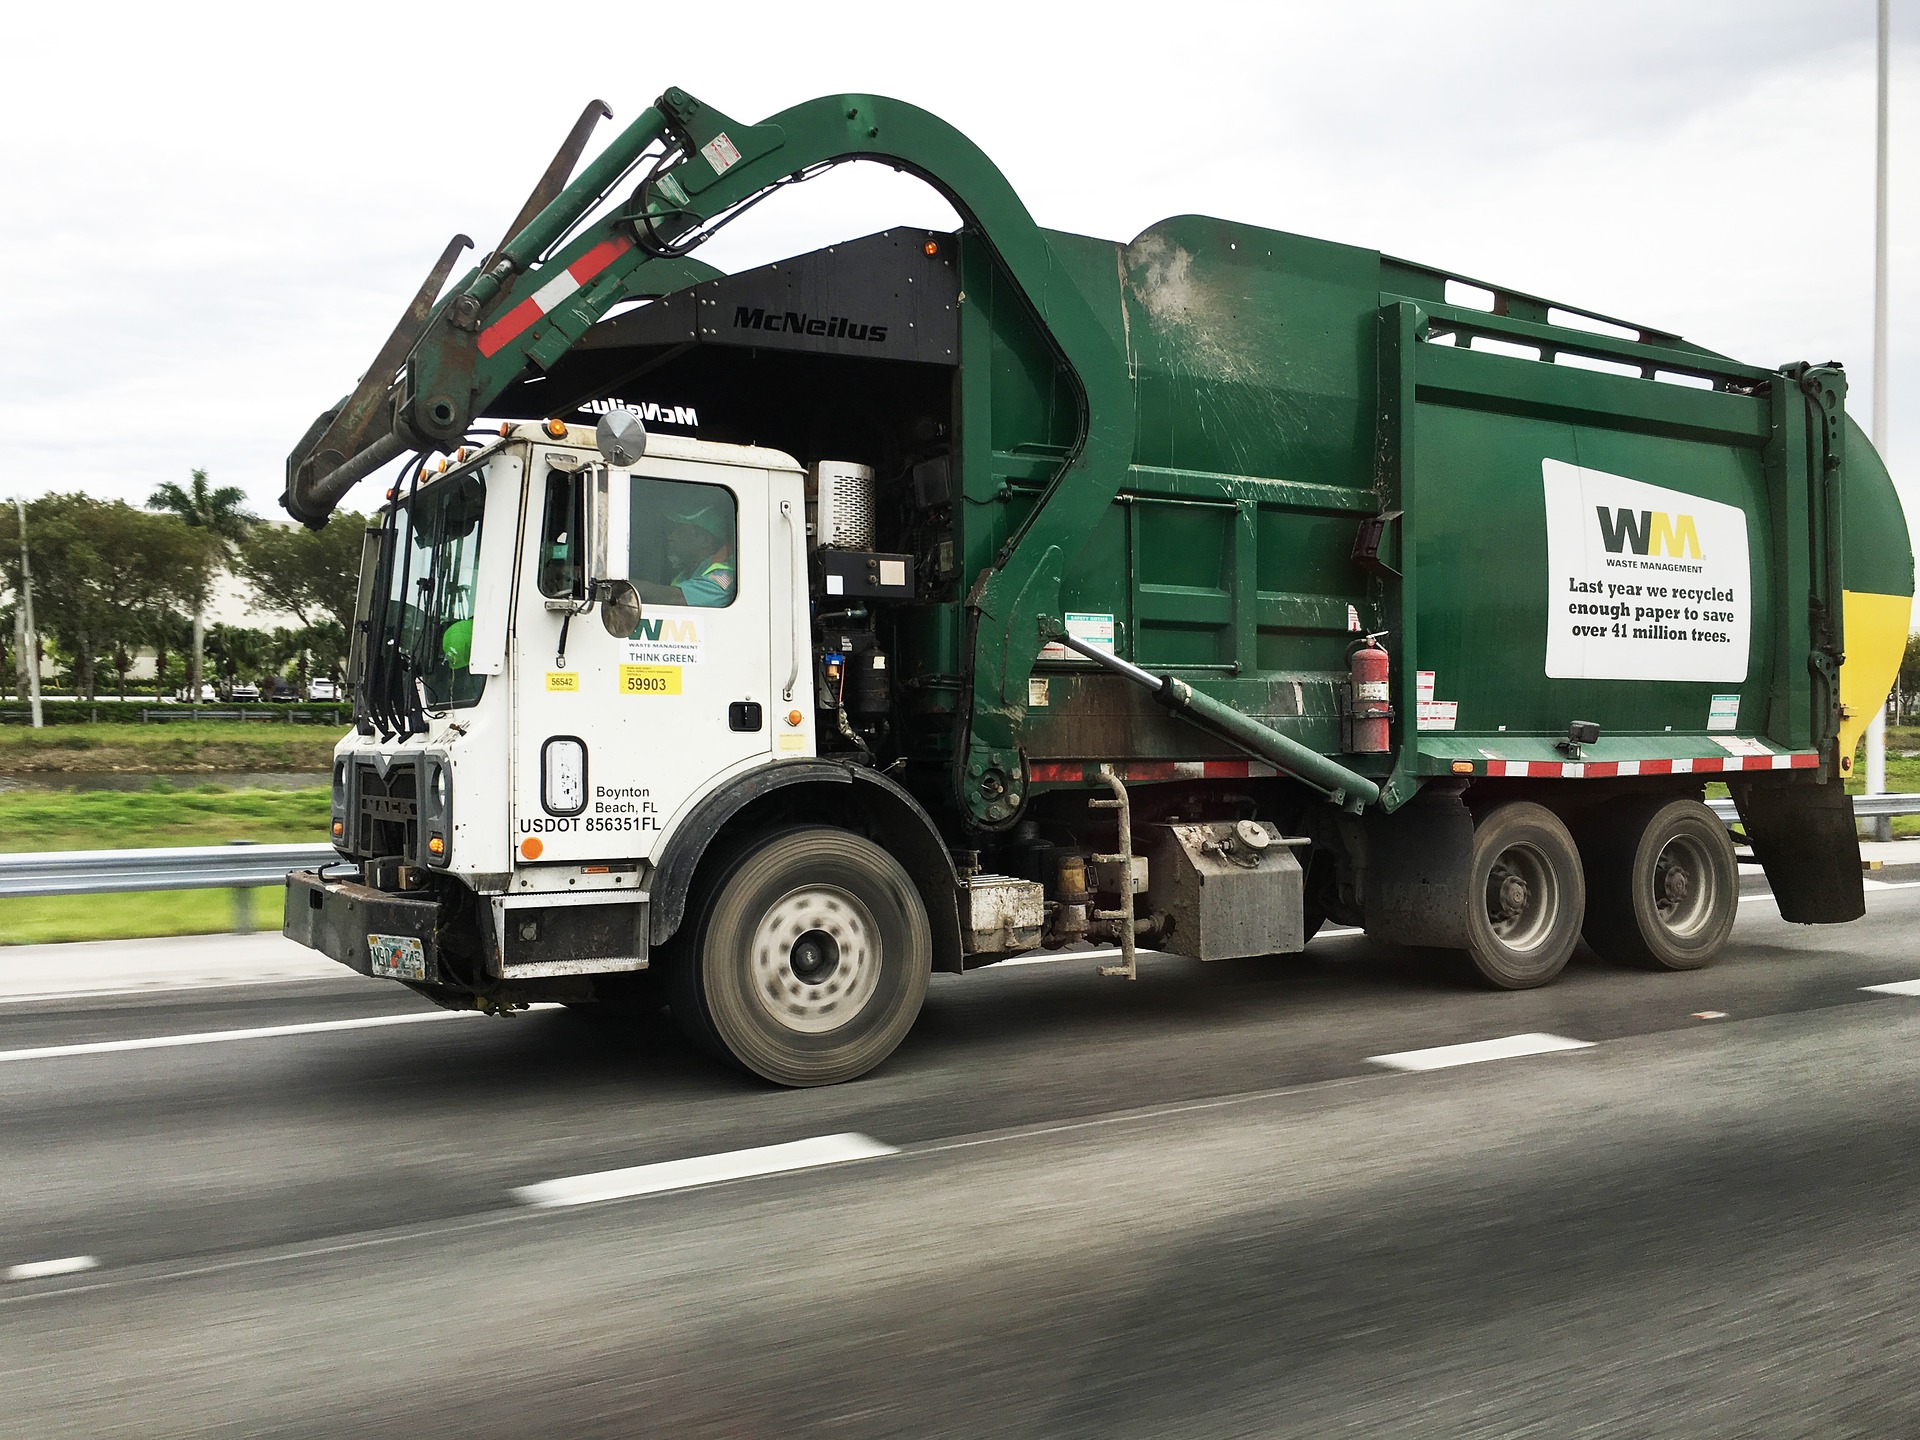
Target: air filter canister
[840, 505]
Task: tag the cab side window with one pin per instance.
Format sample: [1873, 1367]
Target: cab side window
[562, 518]
[682, 549]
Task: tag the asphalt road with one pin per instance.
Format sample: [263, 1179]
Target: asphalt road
[1190, 1205]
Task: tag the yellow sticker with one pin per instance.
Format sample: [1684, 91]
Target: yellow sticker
[649, 679]
[568, 680]
[792, 742]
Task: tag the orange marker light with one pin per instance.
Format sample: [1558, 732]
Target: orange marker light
[931, 248]
[557, 429]
[794, 717]
[531, 847]
[437, 845]
[339, 829]
[506, 427]
[1463, 767]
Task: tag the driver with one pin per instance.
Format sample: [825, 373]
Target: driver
[700, 552]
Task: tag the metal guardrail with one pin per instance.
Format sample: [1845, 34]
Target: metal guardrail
[240, 868]
[1865, 807]
[193, 867]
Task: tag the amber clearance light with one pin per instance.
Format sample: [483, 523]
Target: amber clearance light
[557, 429]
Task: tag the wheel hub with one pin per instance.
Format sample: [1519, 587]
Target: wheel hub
[1520, 897]
[1685, 890]
[1513, 897]
[816, 959]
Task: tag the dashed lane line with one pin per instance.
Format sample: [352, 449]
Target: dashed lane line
[1474, 1052]
[41, 1269]
[1897, 987]
[702, 1170]
[258, 1032]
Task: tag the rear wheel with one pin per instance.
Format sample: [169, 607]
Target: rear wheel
[1525, 896]
[1662, 885]
[809, 961]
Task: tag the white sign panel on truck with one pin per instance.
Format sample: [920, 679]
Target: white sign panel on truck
[1643, 582]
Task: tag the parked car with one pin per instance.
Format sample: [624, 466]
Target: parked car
[322, 688]
[281, 691]
[243, 693]
[208, 695]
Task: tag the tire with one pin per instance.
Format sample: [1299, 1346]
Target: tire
[1526, 896]
[1663, 886]
[809, 959]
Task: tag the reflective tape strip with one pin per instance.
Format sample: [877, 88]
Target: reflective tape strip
[1609, 769]
[516, 321]
[1073, 772]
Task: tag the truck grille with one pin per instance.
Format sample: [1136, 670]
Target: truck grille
[389, 811]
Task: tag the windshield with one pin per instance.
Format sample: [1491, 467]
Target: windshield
[421, 631]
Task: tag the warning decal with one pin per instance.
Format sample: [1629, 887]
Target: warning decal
[1643, 582]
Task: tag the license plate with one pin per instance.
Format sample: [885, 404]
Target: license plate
[398, 957]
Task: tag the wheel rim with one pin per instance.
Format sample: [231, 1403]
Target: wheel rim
[1522, 897]
[816, 959]
[1685, 887]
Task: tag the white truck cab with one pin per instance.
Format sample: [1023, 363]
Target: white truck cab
[508, 738]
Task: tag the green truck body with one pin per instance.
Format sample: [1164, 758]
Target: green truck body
[1604, 564]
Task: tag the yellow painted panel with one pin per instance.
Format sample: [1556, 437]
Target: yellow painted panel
[1876, 638]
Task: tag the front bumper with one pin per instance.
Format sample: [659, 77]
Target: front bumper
[336, 917]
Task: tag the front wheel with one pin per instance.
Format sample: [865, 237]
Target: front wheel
[810, 959]
[1525, 896]
[1663, 885]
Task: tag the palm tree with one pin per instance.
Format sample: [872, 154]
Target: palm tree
[219, 516]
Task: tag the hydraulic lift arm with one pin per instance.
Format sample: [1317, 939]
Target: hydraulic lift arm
[545, 286]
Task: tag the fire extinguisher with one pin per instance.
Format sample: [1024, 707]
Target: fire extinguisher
[1368, 711]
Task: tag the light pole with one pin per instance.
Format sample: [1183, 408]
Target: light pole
[1882, 829]
[29, 636]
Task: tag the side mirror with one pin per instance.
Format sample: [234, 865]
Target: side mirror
[609, 504]
[619, 608]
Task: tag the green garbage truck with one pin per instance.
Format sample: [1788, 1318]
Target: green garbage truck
[761, 643]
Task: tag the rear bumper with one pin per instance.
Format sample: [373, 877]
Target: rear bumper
[335, 917]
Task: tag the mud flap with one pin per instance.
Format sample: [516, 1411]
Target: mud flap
[1804, 838]
[1417, 878]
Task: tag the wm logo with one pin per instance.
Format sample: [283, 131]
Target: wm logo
[674, 632]
[1648, 532]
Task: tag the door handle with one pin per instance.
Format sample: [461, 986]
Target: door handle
[798, 641]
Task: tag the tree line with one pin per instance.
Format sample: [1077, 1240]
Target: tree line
[110, 580]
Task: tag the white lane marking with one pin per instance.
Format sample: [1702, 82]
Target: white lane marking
[702, 1170]
[1898, 987]
[1508, 1047]
[1891, 884]
[260, 1032]
[38, 1269]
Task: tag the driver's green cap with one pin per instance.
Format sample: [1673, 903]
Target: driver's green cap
[709, 515]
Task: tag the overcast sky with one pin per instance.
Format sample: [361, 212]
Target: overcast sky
[213, 215]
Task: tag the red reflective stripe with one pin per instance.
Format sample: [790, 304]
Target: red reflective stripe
[1708, 764]
[1227, 770]
[1805, 762]
[1151, 770]
[598, 258]
[1656, 767]
[517, 320]
[1055, 770]
[1602, 769]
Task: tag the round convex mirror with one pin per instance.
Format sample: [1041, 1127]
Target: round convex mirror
[620, 608]
[621, 438]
